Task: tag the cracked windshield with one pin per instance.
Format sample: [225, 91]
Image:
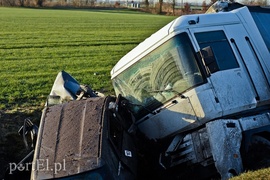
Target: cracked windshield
[161, 75]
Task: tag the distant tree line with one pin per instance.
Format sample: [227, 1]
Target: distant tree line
[171, 7]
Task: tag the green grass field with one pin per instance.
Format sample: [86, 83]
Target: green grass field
[35, 44]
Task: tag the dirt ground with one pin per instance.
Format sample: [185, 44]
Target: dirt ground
[12, 148]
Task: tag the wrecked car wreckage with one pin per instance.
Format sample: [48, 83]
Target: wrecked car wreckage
[76, 137]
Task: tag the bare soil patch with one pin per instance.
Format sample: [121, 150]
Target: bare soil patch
[12, 148]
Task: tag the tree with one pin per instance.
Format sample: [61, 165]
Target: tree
[40, 3]
[173, 7]
[146, 4]
[160, 6]
[212, 2]
[204, 6]
[261, 2]
[21, 3]
[9, 2]
[186, 9]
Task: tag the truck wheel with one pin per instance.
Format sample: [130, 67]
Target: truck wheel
[258, 155]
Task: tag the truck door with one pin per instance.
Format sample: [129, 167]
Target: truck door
[248, 55]
[234, 80]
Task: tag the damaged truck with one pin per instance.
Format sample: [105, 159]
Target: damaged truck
[192, 101]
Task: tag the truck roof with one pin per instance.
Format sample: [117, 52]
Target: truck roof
[169, 31]
[260, 15]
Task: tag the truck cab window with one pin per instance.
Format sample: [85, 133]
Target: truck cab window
[221, 49]
[161, 75]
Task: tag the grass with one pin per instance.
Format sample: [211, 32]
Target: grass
[35, 44]
[262, 174]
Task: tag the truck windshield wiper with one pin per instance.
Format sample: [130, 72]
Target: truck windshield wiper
[162, 90]
[168, 88]
[125, 103]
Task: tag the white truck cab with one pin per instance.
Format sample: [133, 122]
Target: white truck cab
[202, 79]
[195, 69]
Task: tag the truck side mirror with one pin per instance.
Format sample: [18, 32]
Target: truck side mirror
[209, 60]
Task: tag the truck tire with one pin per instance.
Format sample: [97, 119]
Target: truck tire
[258, 155]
